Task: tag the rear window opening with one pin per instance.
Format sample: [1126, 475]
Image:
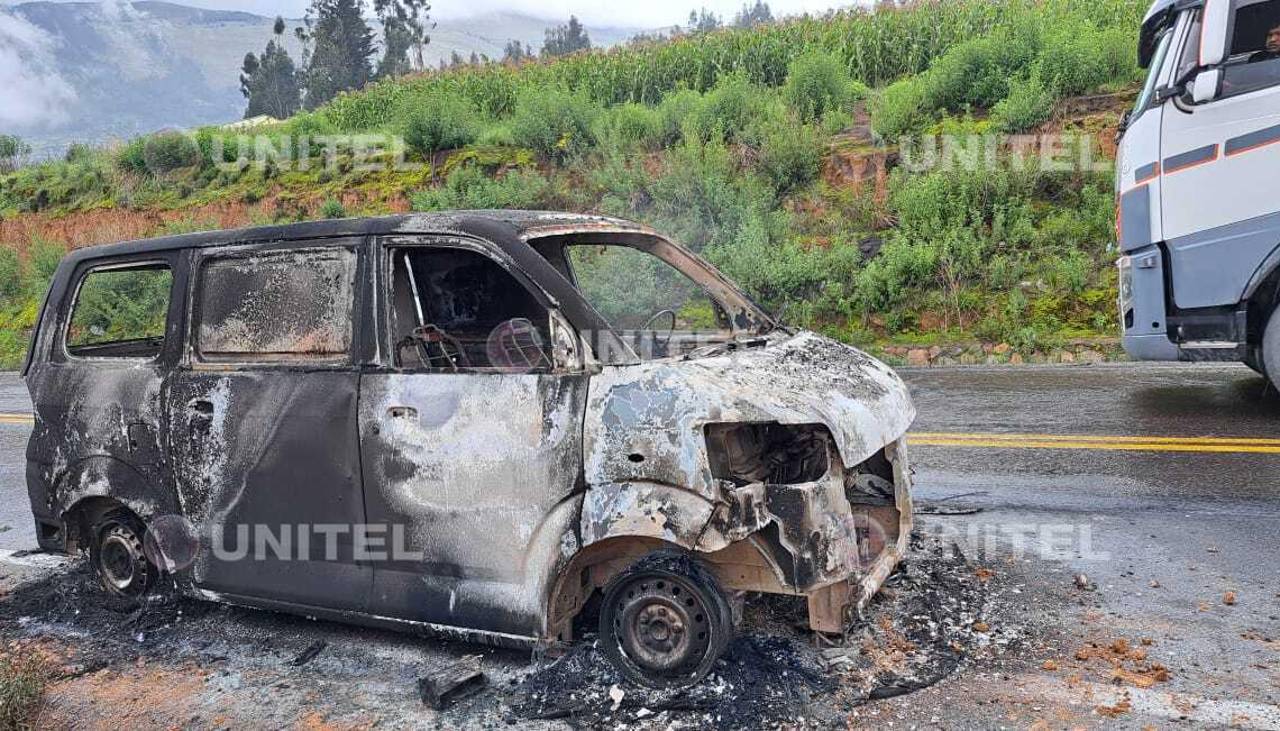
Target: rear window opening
[120, 312]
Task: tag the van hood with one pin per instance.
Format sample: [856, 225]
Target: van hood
[646, 421]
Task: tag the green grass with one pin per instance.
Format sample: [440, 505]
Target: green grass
[22, 682]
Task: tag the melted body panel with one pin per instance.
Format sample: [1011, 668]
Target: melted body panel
[480, 468]
[271, 453]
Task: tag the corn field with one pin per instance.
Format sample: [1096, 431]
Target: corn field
[878, 46]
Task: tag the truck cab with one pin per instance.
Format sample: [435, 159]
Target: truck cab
[1197, 215]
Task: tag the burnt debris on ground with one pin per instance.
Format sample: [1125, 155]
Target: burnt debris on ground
[925, 623]
[936, 613]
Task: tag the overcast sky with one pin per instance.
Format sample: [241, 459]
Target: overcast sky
[648, 14]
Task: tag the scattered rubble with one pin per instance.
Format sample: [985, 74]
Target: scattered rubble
[937, 613]
[449, 684]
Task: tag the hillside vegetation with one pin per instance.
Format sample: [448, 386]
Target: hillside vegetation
[738, 143]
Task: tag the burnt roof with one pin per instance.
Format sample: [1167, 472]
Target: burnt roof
[506, 228]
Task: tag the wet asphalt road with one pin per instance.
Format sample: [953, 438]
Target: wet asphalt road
[1101, 401]
[1163, 533]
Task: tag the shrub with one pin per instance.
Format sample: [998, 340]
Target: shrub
[1028, 105]
[727, 109]
[165, 152]
[43, 256]
[12, 151]
[899, 109]
[790, 154]
[469, 186]
[10, 274]
[628, 126]
[131, 156]
[673, 112]
[553, 122]
[816, 83]
[332, 209]
[443, 122]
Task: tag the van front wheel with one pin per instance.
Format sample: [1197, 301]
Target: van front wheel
[664, 622]
[118, 558]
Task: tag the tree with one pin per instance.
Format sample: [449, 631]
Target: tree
[270, 82]
[753, 15]
[566, 39]
[12, 151]
[516, 53]
[338, 48]
[404, 35]
[703, 21]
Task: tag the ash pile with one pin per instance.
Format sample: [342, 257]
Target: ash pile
[928, 620]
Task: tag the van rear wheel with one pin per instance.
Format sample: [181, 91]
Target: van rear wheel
[664, 622]
[118, 558]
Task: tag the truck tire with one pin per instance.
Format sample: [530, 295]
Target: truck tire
[1271, 349]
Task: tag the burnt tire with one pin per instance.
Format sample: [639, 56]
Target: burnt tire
[118, 558]
[665, 622]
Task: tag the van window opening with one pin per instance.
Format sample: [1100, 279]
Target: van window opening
[120, 312]
[455, 310]
[659, 310]
[277, 305]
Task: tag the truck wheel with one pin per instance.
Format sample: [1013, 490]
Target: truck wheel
[664, 622]
[1271, 349]
[117, 556]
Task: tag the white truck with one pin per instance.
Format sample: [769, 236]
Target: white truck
[1198, 187]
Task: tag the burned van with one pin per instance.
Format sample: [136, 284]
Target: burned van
[470, 424]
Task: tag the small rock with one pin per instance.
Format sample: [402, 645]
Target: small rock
[1050, 665]
[1082, 582]
[918, 357]
[1229, 599]
[616, 694]
[981, 627]
[1016, 359]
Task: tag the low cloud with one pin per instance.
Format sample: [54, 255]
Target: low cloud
[33, 95]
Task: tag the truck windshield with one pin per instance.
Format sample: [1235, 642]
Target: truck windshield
[1149, 87]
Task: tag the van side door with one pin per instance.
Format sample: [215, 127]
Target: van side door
[471, 438]
[1219, 160]
[263, 414]
[96, 386]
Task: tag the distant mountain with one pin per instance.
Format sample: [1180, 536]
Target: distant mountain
[92, 71]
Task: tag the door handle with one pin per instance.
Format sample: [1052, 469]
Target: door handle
[402, 412]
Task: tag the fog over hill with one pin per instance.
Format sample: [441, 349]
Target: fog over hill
[90, 71]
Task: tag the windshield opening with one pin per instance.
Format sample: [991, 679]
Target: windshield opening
[658, 298]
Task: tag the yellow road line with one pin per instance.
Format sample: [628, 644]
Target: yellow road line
[1105, 438]
[1113, 444]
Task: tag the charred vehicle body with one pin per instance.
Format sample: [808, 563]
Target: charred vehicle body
[465, 423]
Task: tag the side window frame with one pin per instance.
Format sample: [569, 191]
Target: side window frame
[1184, 102]
[356, 349]
[66, 311]
[385, 248]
